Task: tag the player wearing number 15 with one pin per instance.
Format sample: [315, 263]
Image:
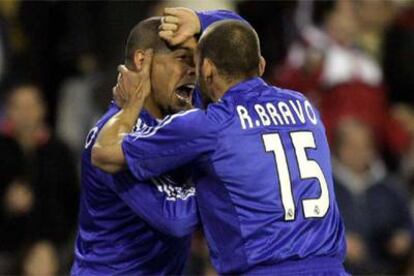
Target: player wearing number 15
[263, 172]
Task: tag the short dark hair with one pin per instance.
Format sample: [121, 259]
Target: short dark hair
[233, 46]
[144, 36]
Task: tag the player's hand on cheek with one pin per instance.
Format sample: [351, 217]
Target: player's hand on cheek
[118, 94]
[134, 87]
[178, 25]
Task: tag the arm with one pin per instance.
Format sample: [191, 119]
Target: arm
[180, 24]
[177, 140]
[107, 152]
[209, 17]
[168, 208]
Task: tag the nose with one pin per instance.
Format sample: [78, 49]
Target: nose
[191, 71]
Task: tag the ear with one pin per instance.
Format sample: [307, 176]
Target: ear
[262, 65]
[208, 68]
[139, 59]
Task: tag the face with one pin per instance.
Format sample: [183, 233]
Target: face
[357, 150]
[173, 78]
[25, 108]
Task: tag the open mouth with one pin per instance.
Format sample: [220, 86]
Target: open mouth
[184, 92]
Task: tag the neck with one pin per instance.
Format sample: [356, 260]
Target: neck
[152, 108]
[222, 86]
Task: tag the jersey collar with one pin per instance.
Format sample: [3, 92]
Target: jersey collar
[244, 86]
[144, 115]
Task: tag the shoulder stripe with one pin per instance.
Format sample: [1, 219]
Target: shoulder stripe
[167, 120]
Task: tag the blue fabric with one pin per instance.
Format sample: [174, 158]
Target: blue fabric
[128, 226]
[238, 188]
[209, 17]
[134, 227]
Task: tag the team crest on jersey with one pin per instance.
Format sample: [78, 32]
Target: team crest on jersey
[91, 136]
[173, 189]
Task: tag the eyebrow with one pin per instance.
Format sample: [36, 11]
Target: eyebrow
[186, 48]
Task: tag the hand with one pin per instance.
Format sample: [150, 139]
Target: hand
[178, 25]
[133, 87]
[116, 94]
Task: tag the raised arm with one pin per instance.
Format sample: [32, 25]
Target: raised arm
[135, 87]
[179, 24]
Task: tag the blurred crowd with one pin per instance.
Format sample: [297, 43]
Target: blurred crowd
[353, 58]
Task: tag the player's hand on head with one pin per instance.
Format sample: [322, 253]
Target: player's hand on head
[133, 87]
[178, 25]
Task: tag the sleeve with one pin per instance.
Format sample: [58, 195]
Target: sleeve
[167, 207]
[177, 140]
[209, 17]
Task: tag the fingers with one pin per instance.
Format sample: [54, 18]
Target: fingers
[178, 39]
[168, 27]
[167, 30]
[118, 96]
[115, 95]
[171, 11]
[173, 38]
[166, 35]
[146, 66]
[131, 84]
[170, 19]
[123, 72]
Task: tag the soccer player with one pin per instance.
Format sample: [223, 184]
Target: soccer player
[128, 226]
[261, 161]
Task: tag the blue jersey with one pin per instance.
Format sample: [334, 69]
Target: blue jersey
[263, 177]
[128, 226]
[136, 227]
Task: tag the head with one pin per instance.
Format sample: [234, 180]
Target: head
[25, 107]
[354, 145]
[228, 52]
[172, 71]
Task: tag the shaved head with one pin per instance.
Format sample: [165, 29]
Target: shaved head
[172, 72]
[233, 46]
[144, 36]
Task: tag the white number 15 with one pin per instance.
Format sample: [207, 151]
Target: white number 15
[312, 208]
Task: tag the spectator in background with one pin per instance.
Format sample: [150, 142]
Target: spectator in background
[42, 207]
[337, 64]
[78, 107]
[372, 202]
[83, 95]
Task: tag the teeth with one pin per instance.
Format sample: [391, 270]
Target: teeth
[185, 99]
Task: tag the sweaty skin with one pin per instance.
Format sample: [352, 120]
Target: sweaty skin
[134, 87]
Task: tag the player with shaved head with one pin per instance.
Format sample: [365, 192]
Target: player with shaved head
[260, 157]
[143, 227]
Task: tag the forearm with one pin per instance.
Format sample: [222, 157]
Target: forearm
[132, 88]
[107, 152]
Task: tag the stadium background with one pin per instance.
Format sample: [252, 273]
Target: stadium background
[353, 59]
